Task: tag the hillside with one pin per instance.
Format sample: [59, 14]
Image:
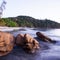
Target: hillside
[26, 21]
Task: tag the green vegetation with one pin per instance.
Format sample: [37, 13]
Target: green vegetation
[9, 22]
[2, 23]
[26, 21]
[32, 22]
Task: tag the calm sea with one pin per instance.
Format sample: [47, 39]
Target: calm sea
[48, 51]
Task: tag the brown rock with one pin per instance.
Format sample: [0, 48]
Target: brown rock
[36, 44]
[28, 38]
[31, 45]
[43, 37]
[6, 43]
[28, 43]
[20, 39]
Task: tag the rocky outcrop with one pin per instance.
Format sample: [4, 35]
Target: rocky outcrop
[6, 43]
[28, 43]
[19, 39]
[44, 38]
[31, 44]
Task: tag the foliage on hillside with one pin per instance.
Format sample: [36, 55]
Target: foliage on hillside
[26, 21]
[8, 22]
[32, 22]
[2, 23]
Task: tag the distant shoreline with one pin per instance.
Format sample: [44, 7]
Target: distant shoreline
[5, 28]
[9, 28]
[27, 21]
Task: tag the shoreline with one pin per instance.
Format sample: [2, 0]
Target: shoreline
[9, 28]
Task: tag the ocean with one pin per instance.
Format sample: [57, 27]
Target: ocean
[48, 51]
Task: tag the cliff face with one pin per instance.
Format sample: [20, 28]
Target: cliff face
[26, 21]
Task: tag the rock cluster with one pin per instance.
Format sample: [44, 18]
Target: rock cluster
[28, 43]
[6, 43]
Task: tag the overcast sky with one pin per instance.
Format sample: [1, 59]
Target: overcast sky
[39, 9]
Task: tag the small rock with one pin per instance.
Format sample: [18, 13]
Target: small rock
[19, 39]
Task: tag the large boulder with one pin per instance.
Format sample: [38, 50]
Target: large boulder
[6, 43]
[44, 38]
[27, 42]
[31, 44]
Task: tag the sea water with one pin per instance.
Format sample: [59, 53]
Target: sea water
[48, 51]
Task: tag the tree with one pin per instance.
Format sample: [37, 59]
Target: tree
[2, 7]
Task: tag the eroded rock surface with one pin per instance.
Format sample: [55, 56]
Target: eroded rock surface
[19, 39]
[6, 43]
[44, 38]
[28, 43]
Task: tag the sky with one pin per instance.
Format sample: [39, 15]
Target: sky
[39, 9]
